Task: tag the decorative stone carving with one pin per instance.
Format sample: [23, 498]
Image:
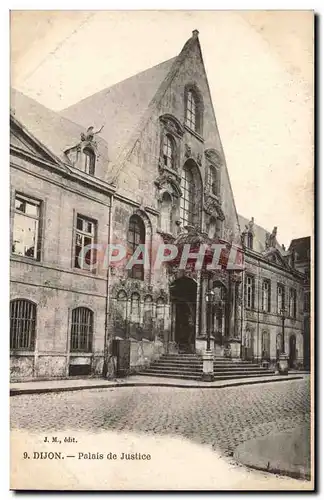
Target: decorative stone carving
[212, 207]
[172, 125]
[214, 157]
[199, 159]
[271, 239]
[187, 151]
[168, 179]
[89, 135]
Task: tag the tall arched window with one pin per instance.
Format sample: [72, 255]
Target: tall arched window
[168, 151]
[136, 236]
[190, 201]
[122, 304]
[81, 330]
[148, 311]
[213, 181]
[166, 213]
[193, 110]
[135, 308]
[89, 161]
[212, 228]
[22, 324]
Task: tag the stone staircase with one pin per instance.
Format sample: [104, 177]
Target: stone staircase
[190, 366]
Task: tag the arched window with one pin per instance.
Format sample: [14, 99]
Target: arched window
[168, 151]
[193, 110]
[212, 228]
[89, 161]
[135, 308]
[213, 181]
[22, 324]
[166, 213]
[190, 201]
[160, 306]
[136, 236]
[122, 304]
[148, 311]
[81, 330]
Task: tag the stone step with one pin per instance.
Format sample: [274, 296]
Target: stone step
[188, 371]
[165, 368]
[193, 376]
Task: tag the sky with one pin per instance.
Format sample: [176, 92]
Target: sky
[259, 66]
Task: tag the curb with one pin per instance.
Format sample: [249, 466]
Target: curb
[17, 392]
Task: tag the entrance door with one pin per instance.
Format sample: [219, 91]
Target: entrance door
[183, 297]
[292, 351]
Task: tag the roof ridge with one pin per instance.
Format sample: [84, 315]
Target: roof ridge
[136, 75]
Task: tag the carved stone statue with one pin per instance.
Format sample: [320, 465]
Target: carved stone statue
[271, 239]
[89, 136]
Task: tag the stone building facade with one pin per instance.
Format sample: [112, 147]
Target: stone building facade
[140, 163]
[273, 291]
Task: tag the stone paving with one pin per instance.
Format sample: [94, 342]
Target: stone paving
[224, 418]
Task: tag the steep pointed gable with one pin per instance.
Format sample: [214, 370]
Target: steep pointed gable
[120, 107]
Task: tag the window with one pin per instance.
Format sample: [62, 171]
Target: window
[306, 302]
[26, 227]
[292, 303]
[135, 308]
[280, 298]
[166, 213]
[191, 110]
[213, 181]
[84, 237]
[187, 199]
[22, 324]
[160, 309]
[168, 151]
[81, 330]
[136, 236]
[122, 304]
[212, 228]
[148, 311]
[266, 296]
[190, 201]
[250, 240]
[89, 161]
[249, 292]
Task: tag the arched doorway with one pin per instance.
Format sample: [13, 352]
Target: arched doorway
[183, 294]
[292, 351]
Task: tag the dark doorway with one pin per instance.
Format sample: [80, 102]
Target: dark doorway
[183, 296]
[292, 351]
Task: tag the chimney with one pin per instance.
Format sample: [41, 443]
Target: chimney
[195, 34]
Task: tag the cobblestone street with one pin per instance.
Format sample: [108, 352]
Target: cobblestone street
[224, 418]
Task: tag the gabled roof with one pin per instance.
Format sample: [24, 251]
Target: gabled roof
[48, 127]
[259, 236]
[302, 248]
[120, 107]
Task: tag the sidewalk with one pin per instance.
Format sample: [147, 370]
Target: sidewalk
[286, 453]
[44, 386]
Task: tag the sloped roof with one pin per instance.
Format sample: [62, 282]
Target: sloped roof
[119, 107]
[301, 247]
[54, 131]
[259, 236]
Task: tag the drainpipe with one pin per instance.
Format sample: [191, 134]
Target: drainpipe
[106, 346]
